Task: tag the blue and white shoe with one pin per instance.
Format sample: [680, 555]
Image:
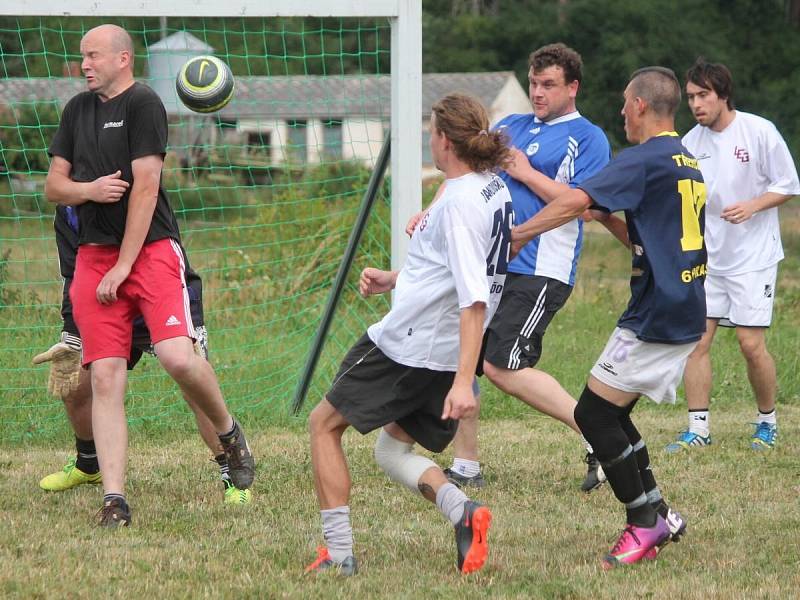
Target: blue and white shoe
[687, 440]
[764, 437]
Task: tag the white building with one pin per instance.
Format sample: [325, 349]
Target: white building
[285, 120]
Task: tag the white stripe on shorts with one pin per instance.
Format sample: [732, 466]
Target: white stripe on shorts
[530, 324]
[187, 305]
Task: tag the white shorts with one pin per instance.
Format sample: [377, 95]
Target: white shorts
[631, 365]
[744, 299]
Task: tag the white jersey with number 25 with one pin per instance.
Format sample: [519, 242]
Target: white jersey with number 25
[458, 256]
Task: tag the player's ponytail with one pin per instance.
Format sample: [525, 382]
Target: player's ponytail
[463, 120]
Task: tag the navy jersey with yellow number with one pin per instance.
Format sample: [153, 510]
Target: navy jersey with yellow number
[661, 190]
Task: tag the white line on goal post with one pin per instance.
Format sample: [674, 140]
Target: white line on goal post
[406, 60]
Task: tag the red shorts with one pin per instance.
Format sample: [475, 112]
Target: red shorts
[155, 289]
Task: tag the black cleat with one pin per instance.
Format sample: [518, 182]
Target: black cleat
[472, 541]
[595, 477]
[115, 513]
[462, 481]
[241, 464]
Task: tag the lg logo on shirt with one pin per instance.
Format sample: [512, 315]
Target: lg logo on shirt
[741, 154]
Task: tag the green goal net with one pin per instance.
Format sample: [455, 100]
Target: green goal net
[266, 192]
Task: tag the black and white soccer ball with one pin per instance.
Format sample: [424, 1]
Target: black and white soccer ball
[205, 84]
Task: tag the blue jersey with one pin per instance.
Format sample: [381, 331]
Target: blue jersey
[661, 190]
[568, 149]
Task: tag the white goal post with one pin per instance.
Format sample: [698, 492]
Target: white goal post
[405, 17]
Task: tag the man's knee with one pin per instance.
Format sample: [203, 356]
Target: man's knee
[752, 344]
[179, 364]
[703, 346]
[497, 375]
[325, 419]
[105, 372]
[399, 462]
[599, 421]
[81, 396]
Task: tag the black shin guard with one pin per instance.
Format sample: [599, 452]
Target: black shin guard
[642, 456]
[600, 422]
[86, 459]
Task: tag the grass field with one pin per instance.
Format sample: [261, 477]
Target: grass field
[743, 508]
[546, 540]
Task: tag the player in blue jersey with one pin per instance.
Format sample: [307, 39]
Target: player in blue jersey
[658, 185]
[555, 148]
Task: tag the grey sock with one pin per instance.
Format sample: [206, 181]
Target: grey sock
[654, 496]
[450, 500]
[338, 532]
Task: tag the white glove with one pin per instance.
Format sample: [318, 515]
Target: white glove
[65, 365]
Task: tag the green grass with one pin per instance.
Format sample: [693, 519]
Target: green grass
[546, 541]
[743, 508]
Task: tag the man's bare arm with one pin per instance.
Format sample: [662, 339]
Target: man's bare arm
[744, 211]
[562, 210]
[60, 189]
[460, 401]
[141, 205]
[540, 184]
[615, 225]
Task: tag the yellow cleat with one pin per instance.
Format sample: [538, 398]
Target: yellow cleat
[234, 495]
[67, 478]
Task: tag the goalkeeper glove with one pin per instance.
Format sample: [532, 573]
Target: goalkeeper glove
[65, 365]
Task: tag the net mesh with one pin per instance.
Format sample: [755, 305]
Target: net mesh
[266, 192]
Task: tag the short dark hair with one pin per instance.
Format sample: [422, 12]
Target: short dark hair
[659, 87]
[712, 76]
[558, 55]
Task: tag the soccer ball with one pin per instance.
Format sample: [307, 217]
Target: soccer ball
[205, 84]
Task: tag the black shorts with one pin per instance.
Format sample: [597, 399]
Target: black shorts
[529, 302]
[371, 390]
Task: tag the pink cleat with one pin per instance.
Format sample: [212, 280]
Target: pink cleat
[637, 543]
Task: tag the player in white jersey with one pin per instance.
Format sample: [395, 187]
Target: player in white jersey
[749, 172]
[411, 374]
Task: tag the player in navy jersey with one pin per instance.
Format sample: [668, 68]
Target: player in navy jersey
[73, 385]
[107, 157]
[658, 185]
[411, 374]
[553, 149]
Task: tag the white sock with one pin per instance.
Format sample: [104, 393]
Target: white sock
[337, 532]
[769, 417]
[467, 468]
[588, 445]
[450, 500]
[699, 422]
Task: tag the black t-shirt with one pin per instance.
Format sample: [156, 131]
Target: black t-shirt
[662, 192]
[66, 225]
[99, 138]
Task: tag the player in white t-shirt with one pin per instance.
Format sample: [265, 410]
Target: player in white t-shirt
[749, 172]
[411, 374]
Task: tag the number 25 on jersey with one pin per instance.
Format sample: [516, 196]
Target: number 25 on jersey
[503, 220]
